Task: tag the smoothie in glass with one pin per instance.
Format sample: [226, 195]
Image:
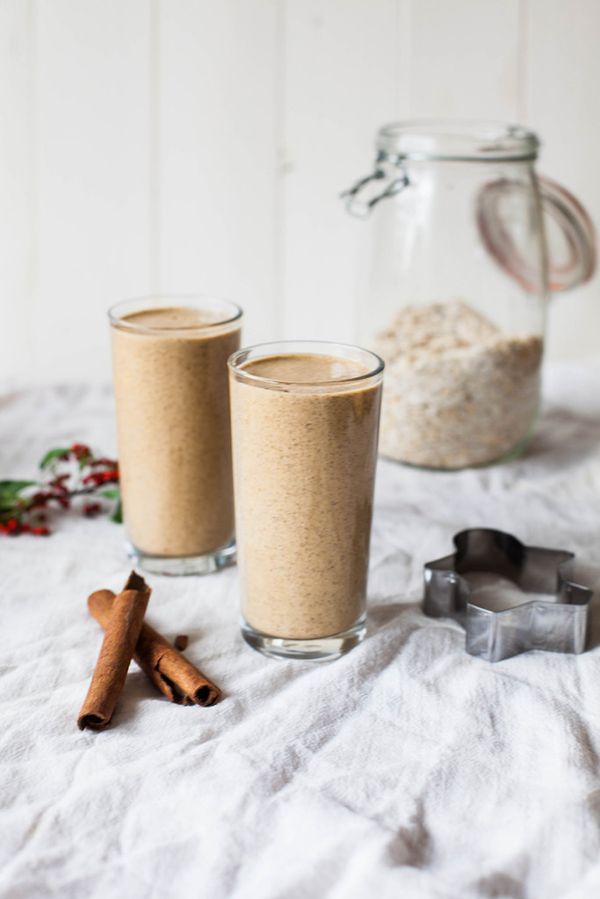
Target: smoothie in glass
[305, 421]
[173, 429]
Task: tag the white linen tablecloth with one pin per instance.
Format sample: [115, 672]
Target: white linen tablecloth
[406, 769]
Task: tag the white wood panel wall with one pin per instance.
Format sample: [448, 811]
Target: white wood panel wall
[17, 190]
[217, 121]
[345, 66]
[561, 100]
[199, 145]
[91, 175]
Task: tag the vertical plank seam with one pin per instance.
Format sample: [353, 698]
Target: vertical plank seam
[522, 69]
[31, 279]
[404, 37]
[154, 229]
[279, 299]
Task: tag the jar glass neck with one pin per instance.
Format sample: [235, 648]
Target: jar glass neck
[455, 141]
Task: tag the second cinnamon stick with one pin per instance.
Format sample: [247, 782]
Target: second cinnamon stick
[168, 669]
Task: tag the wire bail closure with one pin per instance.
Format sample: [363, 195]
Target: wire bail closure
[362, 208]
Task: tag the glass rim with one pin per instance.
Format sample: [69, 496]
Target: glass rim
[302, 345]
[456, 140]
[116, 312]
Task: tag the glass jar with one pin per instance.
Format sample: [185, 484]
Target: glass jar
[466, 243]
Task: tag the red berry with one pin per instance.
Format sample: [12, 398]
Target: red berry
[80, 450]
[94, 478]
[40, 531]
[91, 509]
[105, 463]
[59, 481]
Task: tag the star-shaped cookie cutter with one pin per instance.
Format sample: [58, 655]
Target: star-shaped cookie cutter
[559, 625]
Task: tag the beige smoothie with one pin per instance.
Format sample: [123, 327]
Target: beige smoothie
[305, 446]
[173, 428]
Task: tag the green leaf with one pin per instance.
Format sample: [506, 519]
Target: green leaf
[10, 492]
[117, 515]
[14, 487]
[111, 493]
[52, 455]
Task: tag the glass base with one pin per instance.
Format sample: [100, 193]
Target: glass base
[318, 649]
[208, 563]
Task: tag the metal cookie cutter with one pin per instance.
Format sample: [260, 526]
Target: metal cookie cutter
[559, 625]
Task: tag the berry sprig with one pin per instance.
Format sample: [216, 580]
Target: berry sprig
[68, 473]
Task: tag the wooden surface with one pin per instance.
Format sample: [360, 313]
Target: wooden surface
[191, 145]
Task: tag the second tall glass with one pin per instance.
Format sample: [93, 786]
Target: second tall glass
[305, 419]
[170, 376]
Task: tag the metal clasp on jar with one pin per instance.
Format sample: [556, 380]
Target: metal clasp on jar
[361, 207]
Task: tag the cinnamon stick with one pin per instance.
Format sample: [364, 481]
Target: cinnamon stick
[169, 671]
[116, 652]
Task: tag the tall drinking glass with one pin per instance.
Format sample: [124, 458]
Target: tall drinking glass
[173, 428]
[305, 419]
